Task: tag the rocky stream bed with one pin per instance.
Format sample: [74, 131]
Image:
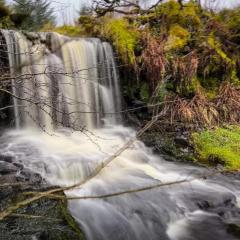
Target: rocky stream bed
[45, 219]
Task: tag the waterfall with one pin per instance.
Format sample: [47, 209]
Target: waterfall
[64, 81]
[63, 84]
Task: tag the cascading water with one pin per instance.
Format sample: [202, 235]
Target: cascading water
[73, 84]
[65, 82]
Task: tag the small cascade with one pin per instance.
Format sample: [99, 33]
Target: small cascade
[64, 81]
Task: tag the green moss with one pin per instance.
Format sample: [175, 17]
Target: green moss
[210, 87]
[222, 60]
[5, 14]
[71, 31]
[187, 87]
[192, 86]
[231, 19]
[144, 92]
[219, 146]
[178, 38]
[211, 94]
[170, 13]
[234, 229]
[163, 91]
[4, 11]
[234, 78]
[216, 45]
[70, 220]
[48, 27]
[123, 37]
[87, 25]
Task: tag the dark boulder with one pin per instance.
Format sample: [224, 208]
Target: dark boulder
[7, 168]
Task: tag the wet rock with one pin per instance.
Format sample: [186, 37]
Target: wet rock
[6, 158]
[52, 224]
[203, 226]
[36, 178]
[138, 103]
[24, 175]
[27, 175]
[52, 214]
[7, 191]
[234, 229]
[7, 168]
[42, 38]
[182, 141]
[18, 165]
[32, 36]
[10, 178]
[204, 205]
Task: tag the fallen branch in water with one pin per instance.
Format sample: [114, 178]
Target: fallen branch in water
[13, 184]
[10, 210]
[52, 193]
[143, 189]
[28, 216]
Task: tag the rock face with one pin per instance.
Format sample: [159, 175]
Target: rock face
[45, 219]
[171, 142]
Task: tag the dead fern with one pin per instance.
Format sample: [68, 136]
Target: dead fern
[153, 59]
[184, 70]
[228, 103]
[198, 111]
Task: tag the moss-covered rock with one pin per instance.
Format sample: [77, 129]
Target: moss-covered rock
[234, 229]
[44, 219]
[170, 141]
[219, 146]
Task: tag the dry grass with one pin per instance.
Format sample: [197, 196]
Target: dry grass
[201, 111]
[228, 103]
[198, 111]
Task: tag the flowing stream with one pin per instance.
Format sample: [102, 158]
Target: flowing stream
[66, 107]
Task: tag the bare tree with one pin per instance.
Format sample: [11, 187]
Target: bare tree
[127, 7]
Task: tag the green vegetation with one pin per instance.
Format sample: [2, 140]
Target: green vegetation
[5, 21]
[33, 14]
[219, 146]
[123, 37]
[188, 53]
[171, 13]
[177, 38]
[30, 15]
[70, 31]
[192, 45]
